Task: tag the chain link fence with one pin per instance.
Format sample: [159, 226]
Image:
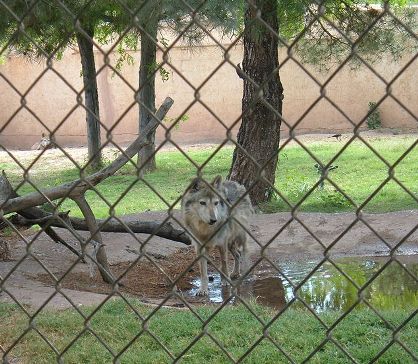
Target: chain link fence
[340, 30]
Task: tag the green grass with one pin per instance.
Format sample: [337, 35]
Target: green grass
[359, 174]
[362, 333]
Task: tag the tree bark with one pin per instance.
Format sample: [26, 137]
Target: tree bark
[88, 66]
[255, 158]
[146, 95]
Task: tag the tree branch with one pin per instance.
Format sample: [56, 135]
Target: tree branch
[99, 253]
[240, 72]
[165, 230]
[78, 187]
[7, 191]
[327, 31]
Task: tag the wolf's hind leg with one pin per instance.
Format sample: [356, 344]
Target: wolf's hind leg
[239, 251]
[236, 253]
[224, 265]
[245, 263]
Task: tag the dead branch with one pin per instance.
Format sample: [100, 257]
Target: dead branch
[240, 72]
[78, 187]
[166, 230]
[99, 253]
[54, 236]
[7, 191]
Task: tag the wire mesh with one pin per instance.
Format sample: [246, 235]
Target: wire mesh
[25, 24]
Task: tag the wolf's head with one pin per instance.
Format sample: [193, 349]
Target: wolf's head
[205, 203]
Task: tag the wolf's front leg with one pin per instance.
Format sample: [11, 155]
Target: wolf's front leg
[204, 280]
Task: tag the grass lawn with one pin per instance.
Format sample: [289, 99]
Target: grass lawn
[297, 332]
[359, 174]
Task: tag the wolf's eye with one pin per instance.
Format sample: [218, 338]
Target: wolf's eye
[202, 203]
[216, 203]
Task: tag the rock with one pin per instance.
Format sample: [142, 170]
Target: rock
[46, 142]
[4, 250]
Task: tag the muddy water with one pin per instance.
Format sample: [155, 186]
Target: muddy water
[325, 288]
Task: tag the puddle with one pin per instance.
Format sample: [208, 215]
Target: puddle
[328, 289]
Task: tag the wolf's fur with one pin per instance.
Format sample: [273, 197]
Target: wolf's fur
[215, 218]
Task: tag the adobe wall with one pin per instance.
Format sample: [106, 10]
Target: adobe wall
[53, 99]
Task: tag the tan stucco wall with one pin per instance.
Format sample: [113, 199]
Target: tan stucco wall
[51, 100]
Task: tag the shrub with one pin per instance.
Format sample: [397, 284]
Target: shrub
[373, 120]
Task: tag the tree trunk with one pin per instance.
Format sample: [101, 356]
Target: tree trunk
[146, 156]
[259, 134]
[88, 66]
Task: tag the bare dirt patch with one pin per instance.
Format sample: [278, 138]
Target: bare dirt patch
[154, 278]
[7, 238]
[147, 279]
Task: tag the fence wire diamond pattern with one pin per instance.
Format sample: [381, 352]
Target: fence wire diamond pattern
[105, 326]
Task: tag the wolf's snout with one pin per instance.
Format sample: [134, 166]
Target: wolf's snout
[212, 221]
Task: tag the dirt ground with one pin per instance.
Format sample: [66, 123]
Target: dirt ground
[154, 277]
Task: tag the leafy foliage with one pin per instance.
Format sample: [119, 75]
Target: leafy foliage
[335, 31]
[323, 33]
[373, 120]
[40, 29]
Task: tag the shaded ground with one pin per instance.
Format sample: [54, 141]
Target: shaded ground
[27, 280]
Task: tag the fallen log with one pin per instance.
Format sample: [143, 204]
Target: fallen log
[7, 191]
[163, 230]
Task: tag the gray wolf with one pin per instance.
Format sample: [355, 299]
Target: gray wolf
[216, 215]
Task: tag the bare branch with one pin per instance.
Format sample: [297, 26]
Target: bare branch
[78, 187]
[240, 72]
[165, 230]
[99, 253]
[7, 191]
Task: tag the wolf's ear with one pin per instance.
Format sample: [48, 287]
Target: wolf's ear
[196, 185]
[217, 182]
